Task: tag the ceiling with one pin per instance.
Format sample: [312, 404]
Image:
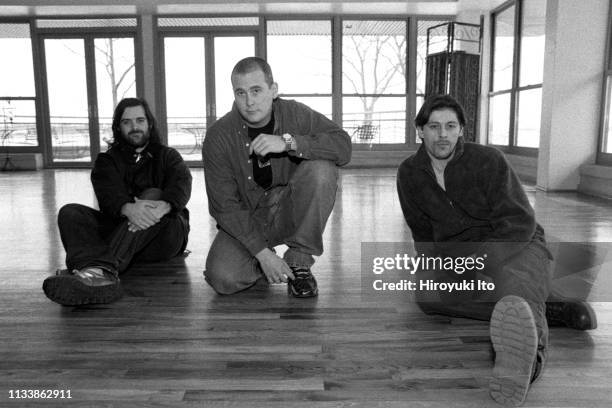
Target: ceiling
[40, 8]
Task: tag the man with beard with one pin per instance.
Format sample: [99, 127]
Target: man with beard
[142, 187]
[464, 201]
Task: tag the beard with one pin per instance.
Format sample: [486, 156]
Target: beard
[137, 138]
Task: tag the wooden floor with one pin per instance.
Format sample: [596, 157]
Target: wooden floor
[171, 342]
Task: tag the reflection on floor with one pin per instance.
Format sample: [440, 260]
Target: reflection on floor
[172, 342]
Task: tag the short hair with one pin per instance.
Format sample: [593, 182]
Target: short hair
[250, 64]
[129, 103]
[438, 102]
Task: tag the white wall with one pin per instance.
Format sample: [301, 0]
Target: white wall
[571, 91]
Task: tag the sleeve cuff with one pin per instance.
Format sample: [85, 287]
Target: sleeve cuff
[302, 147]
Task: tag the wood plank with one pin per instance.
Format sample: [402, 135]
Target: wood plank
[172, 342]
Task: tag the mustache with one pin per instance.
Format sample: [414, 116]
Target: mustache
[136, 132]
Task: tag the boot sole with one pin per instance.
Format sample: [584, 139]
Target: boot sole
[514, 337]
[70, 291]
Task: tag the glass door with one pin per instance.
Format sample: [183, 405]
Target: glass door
[186, 98]
[197, 70]
[68, 100]
[85, 78]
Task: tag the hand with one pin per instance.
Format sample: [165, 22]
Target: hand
[264, 144]
[140, 214]
[158, 208]
[274, 267]
[133, 227]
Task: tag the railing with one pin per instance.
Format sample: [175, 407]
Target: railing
[71, 142]
[186, 135]
[379, 128]
[19, 134]
[70, 139]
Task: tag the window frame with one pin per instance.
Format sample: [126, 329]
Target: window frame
[335, 109]
[515, 88]
[410, 82]
[40, 140]
[87, 34]
[208, 33]
[602, 157]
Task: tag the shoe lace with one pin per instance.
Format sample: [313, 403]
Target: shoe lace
[302, 278]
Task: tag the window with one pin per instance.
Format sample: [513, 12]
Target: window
[17, 93]
[517, 66]
[374, 80]
[604, 155]
[186, 101]
[300, 54]
[197, 57]
[355, 71]
[86, 75]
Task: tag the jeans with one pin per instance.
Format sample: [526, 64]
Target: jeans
[92, 238]
[527, 274]
[294, 214]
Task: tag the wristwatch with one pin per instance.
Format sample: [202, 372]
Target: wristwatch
[289, 142]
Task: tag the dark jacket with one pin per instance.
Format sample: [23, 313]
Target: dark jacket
[232, 191]
[117, 178]
[484, 203]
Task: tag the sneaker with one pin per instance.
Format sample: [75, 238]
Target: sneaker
[576, 315]
[515, 341]
[304, 285]
[82, 287]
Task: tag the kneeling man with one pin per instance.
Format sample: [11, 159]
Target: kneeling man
[271, 170]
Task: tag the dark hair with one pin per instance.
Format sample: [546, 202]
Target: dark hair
[129, 103]
[438, 102]
[250, 64]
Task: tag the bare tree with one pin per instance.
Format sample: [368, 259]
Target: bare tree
[117, 76]
[111, 66]
[372, 64]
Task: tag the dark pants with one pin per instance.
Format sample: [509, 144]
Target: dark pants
[294, 215]
[92, 238]
[527, 274]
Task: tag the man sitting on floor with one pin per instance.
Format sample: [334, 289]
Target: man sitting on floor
[271, 178]
[464, 200]
[142, 189]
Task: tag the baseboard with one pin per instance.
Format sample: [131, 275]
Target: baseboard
[378, 158]
[596, 180]
[21, 161]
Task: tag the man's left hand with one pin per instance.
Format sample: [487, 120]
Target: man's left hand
[264, 144]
